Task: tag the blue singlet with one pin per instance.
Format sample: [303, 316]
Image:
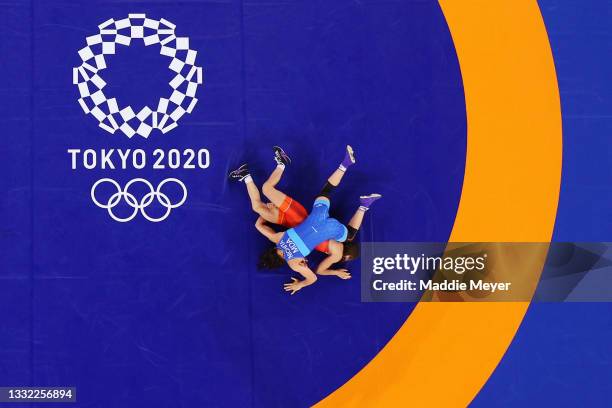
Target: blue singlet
[299, 241]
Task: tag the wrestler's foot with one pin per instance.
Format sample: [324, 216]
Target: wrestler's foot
[240, 173]
[349, 158]
[280, 157]
[366, 201]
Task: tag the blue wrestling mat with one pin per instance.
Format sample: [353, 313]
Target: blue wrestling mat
[175, 313]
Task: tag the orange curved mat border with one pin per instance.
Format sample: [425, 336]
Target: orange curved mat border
[445, 352]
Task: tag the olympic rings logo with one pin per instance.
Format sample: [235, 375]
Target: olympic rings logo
[138, 205]
[110, 115]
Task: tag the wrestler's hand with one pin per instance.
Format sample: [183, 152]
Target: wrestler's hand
[293, 286]
[342, 273]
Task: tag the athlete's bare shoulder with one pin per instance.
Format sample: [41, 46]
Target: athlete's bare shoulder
[335, 248]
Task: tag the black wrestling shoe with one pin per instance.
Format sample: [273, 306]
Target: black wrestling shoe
[280, 157]
[240, 173]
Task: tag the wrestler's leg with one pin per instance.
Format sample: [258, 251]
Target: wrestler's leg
[364, 205]
[338, 174]
[268, 188]
[242, 174]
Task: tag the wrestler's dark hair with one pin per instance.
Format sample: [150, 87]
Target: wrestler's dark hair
[270, 259]
[350, 251]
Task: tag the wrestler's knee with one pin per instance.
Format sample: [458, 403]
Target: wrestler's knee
[267, 188]
[259, 207]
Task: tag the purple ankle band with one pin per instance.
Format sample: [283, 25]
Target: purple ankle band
[347, 161]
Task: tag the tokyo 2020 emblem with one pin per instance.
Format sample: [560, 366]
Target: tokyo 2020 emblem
[106, 109]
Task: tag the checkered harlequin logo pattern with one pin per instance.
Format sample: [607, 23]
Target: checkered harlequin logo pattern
[110, 115]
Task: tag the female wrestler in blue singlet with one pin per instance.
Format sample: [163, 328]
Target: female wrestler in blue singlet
[318, 227]
[293, 245]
